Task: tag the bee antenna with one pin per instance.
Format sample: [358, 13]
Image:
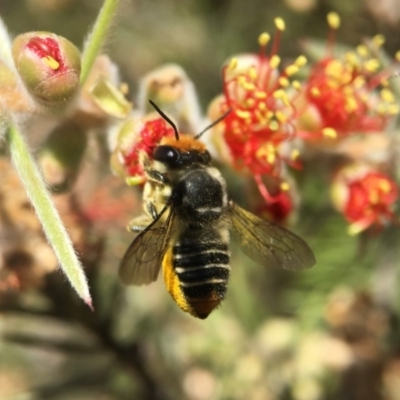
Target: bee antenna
[158, 109]
[216, 122]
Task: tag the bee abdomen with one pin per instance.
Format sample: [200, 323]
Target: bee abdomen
[203, 272]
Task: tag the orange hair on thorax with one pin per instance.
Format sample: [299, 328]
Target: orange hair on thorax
[185, 143]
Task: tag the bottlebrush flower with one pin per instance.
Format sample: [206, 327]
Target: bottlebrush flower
[137, 137]
[49, 66]
[345, 95]
[263, 116]
[365, 196]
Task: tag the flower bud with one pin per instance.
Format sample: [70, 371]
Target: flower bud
[49, 66]
[172, 90]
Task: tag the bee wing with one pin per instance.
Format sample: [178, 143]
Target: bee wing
[269, 244]
[142, 260]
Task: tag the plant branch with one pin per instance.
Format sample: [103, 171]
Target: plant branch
[47, 213]
[97, 36]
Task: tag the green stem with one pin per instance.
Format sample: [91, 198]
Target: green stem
[97, 36]
[47, 213]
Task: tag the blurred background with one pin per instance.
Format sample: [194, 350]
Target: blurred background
[331, 332]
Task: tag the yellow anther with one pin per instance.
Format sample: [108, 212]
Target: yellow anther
[294, 155]
[273, 125]
[371, 65]
[260, 95]
[284, 186]
[250, 102]
[359, 82]
[387, 95]
[397, 55]
[291, 70]
[300, 61]
[334, 69]
[270, 153]
[385, 185]
[351, 104]
[51, 62]
[248, 86]
[280, 116]
[329, 133]
[362, 50]
[351, 58]
[274, 61]
[284, 82]
[271, 158]
[263, 39]
[315, 91]
[233, 64]
[243, 114]
[333, 20]
[281, 95]
[378, 40]
[280, 24]
[262, 106]
[252, 72]
[296, 85]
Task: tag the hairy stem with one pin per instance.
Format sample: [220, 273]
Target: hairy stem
[97, 36]
[47, 213]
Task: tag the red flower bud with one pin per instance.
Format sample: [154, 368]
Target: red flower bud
[49, 66]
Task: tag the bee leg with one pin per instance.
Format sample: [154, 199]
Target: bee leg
[139, 224]
[151, 208]
[157, 176]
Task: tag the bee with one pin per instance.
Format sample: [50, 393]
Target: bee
[185, 228]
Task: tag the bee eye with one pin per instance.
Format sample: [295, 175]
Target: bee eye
[166, 154]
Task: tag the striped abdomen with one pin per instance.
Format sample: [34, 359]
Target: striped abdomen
[196, 272]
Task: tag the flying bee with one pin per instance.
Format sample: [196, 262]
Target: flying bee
[186, 225]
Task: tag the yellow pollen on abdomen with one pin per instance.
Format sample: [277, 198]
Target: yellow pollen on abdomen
[172, 283]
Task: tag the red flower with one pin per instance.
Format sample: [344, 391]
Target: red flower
[346, 95]
[365, 196]
[262, 116]
[278, 210]
[147, 138]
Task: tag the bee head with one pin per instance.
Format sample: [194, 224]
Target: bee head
[183, 150]
[183, 153]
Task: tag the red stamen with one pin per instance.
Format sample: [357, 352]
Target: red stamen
[47, 47]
